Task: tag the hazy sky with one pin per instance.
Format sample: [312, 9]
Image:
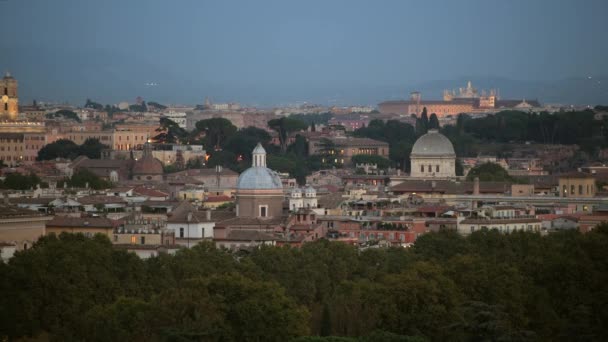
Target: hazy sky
[289, 50]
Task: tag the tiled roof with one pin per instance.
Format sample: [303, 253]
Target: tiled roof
[500, 221]
[145, 191]
[80, 222]
[253, 221]
[100, 199]
[449, 187]
[180, 214]
[248, 235]
[9, 211]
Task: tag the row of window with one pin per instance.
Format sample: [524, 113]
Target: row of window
[429, 168]
[508, 229]
[589, 189]
[8, 148]
[141, 138]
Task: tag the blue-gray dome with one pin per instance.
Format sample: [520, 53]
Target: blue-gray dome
[259, 178]
[433, 144]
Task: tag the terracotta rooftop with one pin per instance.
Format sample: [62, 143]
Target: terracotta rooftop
[80, 222]
[247, 235]
[9, 211]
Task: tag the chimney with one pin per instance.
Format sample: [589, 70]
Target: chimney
[208, 213]
[476, 186]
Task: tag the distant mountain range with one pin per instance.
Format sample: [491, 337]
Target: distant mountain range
[111, 77]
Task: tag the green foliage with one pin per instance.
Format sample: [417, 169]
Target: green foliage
[174, 134]
[156, 105]
[381, 162]
[216, 130]
[489, 172]
[64, 148]
[487, 286]
[433, 122]
[68, 114]
[138, 107]
[285, 126]
[93, 105]
[399, 136]
[309, 119]
[244, 141]
[83, 177]
[17, 181]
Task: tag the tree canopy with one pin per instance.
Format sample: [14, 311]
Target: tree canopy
[217, 131]
[68, 114]
[64, 148]
[488, 172]
[17, 181]
[487, 286]
[285, 126]
[83, 177]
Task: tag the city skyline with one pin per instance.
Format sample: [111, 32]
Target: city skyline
[329, 53]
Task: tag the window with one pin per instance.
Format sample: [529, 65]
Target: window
[142, 240]
[572, 190]
[203, 232]
[580, 189]
[133, 239]
[181, 232]
[437, 168]
[6, 106]
[263, 211]
[115, 238]
[5, 91]
[421, 168]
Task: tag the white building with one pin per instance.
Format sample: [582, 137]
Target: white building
[503, 225]
[190, 225]
[306, 198]
[178, 117]
[433, 156]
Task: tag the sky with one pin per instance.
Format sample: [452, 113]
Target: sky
[279, 52]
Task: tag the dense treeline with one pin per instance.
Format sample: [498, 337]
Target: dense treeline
[485, 287]
[469, 134]
[64, 148]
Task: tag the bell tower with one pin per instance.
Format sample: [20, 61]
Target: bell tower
[9, 101]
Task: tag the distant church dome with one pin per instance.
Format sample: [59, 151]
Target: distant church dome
[148, 165]
[259, 177]
[433, 144]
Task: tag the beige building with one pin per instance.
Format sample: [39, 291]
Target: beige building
[576, 184]
[503, 225]
[21, 227]
[89, 226]
[9, 104]
[344, 148]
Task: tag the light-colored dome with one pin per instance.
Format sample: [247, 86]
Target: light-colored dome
[310, 190]
[259, 178]
[433, 144]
